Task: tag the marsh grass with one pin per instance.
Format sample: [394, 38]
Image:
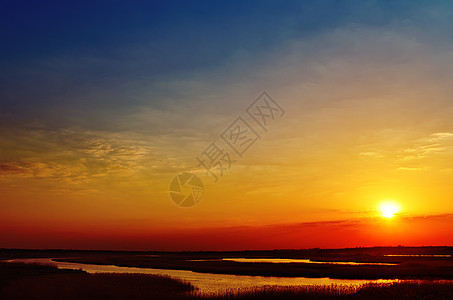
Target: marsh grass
[419, 289]
[287, 292]
[33, 281]
[39, 282]
[96, 286]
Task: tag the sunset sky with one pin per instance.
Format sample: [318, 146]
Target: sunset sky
[102, 104]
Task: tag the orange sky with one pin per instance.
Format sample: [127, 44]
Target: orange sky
[90, 142]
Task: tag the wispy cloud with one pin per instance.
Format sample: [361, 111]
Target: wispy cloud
[428, 152]
[77, 156]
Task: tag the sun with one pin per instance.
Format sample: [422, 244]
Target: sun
[389, 209]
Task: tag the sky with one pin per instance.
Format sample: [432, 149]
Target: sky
[103, 103]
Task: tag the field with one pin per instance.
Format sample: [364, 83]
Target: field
[405, 267]
[30, 281]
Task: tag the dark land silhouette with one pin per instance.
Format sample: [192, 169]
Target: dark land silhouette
[430, 276]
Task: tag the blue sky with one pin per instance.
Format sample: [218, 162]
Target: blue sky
[103, 102]
[51, 48]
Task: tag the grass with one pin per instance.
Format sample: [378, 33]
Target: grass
[290, 292]
[96, 286]
[404, 268]
[38, 282]
[46, 282]
[407, 268]
[398, 290]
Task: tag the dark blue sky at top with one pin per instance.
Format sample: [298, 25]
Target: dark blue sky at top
[156, 39]
[34, 29]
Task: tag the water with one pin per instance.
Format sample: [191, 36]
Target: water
[206, 283]
[418, 255]
[301, 260]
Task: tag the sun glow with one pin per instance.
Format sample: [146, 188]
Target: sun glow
[389, 209]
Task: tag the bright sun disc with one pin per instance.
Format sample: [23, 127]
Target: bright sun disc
[389, 209]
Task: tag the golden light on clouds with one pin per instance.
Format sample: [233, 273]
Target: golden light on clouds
[93, 142]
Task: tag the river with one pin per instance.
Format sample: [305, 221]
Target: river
[205, 282]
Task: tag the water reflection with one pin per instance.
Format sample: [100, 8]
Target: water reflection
[207, 283]
[418, 255]
[307, 261]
